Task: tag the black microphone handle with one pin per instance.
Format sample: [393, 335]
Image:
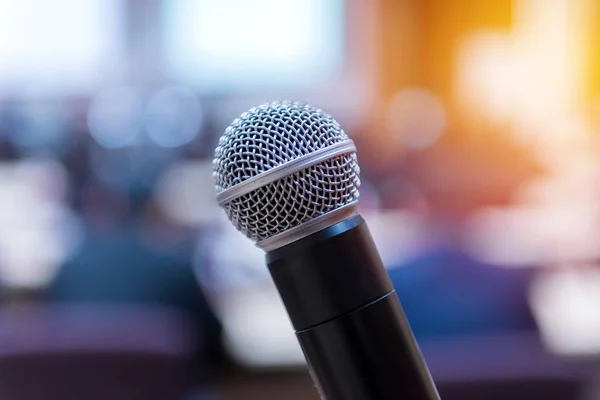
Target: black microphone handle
[347, 317]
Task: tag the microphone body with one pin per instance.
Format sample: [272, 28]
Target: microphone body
[287, 176]
[347, 317]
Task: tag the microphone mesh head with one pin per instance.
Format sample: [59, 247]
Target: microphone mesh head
[271, 135]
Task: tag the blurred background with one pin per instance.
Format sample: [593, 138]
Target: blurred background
[478, 129]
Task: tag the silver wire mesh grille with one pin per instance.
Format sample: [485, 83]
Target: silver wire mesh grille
[296, 199]
[268, 136]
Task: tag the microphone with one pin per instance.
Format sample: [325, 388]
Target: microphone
[287, 176]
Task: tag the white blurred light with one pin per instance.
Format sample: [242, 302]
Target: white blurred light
[487, 74]
[565, 304]
[258, 331]
[173, 117]
[416, 117]
[238, 44]
[47, 178]
[59, 46]
[535, 71]
[243, 267]
[186, 193]
[397, 234]
[533, 236]
[39, 232]
[115, 117]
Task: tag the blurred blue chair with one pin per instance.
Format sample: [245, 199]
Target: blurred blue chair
[447, 293]
[477, 332]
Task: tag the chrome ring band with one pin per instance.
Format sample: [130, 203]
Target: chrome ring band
[283, 170]
[309, 227]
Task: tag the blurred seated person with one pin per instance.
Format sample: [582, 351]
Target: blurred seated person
[131, 254]
[444, 290]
